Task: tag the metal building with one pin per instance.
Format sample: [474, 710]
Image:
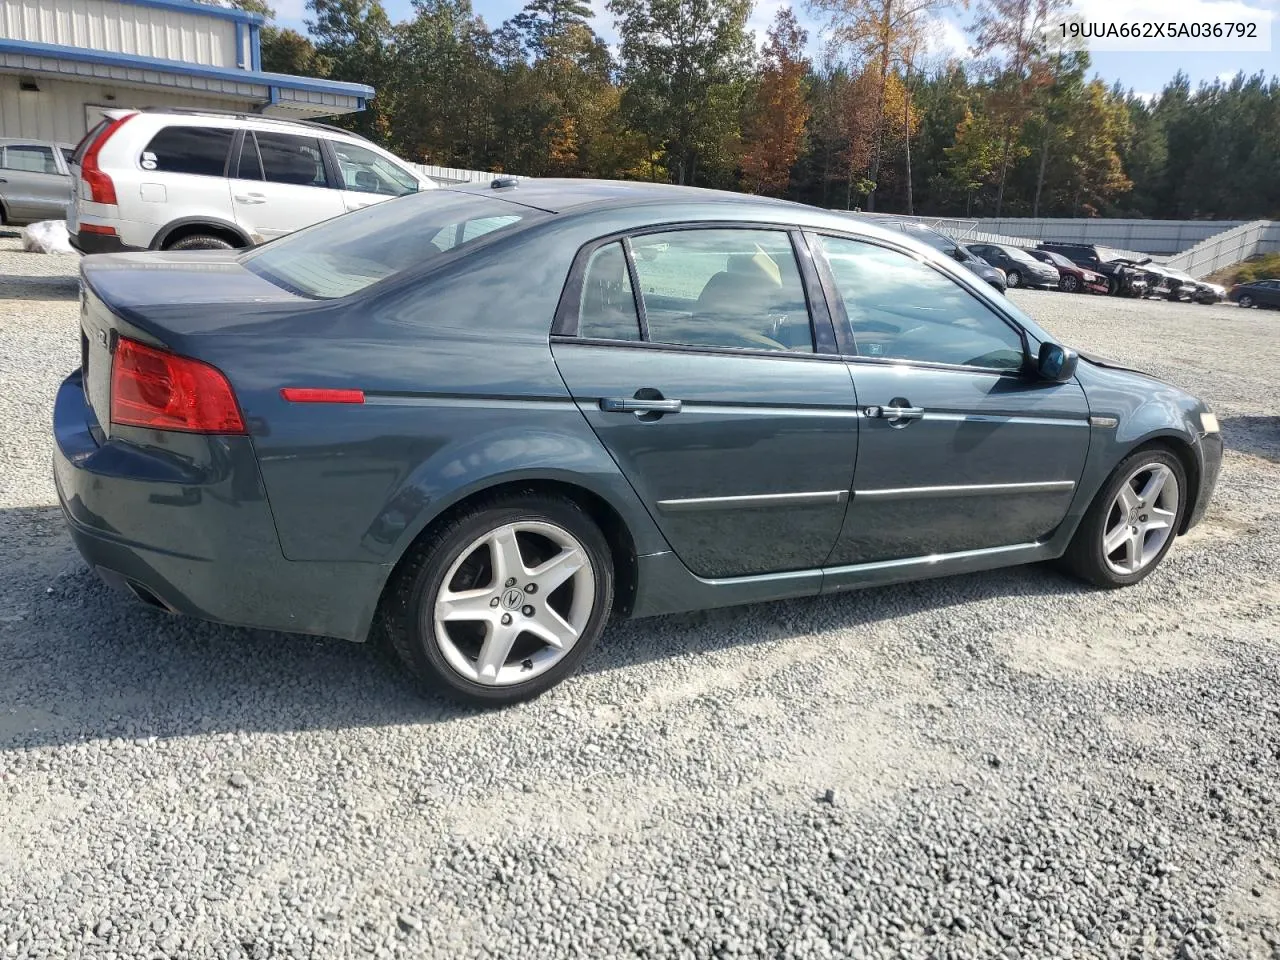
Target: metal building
[64, 61]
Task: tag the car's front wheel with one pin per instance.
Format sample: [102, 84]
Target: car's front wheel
[1132, 522]
[1070, 283]
[1246, 301]
[505, 600]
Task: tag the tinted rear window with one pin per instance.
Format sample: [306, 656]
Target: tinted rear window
[196, 150]
[344, 255]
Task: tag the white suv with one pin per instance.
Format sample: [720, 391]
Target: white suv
[191, 180]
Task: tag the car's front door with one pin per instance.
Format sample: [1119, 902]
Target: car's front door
[281, 184]
[693, 356]
[32, 183]
[958, 449]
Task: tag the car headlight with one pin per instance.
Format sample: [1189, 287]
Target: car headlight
[1208, 421]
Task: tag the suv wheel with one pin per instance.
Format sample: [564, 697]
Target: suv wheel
[1113, 286]
[504, 601]
[200, 241]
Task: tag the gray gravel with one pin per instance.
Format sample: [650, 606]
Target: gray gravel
[1004, 764]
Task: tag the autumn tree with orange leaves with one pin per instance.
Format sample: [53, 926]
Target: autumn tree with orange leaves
[774, 131]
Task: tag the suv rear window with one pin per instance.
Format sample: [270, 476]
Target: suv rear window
[342, 256]
[197, 150]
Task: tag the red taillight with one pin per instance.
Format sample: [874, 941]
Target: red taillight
[152, 388]
[97, 228]
[101, 189]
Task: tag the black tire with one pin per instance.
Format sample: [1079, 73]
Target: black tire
[1013, 279]
[420, 577]
[1113, 287]
[1246, 301]
[1071, 283]
[1085, 556]
[201, 241]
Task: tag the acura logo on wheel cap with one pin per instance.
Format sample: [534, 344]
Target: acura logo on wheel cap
[513, 598]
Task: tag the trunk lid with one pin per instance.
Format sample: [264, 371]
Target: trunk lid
[163, 298]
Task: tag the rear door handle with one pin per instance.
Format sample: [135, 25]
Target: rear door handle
[895, 413]
[627, 405]
[250, 198]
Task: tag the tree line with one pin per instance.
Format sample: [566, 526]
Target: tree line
[872, 121]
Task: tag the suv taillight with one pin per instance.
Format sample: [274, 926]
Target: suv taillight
[152, 388]
[101, 189]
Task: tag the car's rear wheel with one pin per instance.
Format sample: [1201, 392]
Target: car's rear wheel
[1013, 279]
[504, 601]
[1070, 283]
[201, 241]
[1132, 522]
[1245, 301]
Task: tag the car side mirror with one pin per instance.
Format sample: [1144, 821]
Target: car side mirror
[1056, 363]
[960, 255]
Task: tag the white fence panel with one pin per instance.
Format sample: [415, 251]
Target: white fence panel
[1148, 236]
[456, 175]
[1229, 247]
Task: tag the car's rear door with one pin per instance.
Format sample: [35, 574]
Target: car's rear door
[958, 450]
[32, 183]
[695, 358]
[281, 183]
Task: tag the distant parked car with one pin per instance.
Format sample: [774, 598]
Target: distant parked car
[1201, 291]
[1168, 284]
[1123, 275]
[940, 241]
[198, 180]
[1072, 278]
[35, 181]
[1020, 269]
[1258, 293]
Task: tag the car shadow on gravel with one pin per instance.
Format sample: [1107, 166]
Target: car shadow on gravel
[39, 288]
[1258, 436]
[80, 662]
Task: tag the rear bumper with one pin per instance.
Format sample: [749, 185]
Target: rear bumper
[187, 526]
[89, 243]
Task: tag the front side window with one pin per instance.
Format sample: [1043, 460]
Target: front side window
[30, 159]
[289, 159]
[723, 288]
[903, 309]
[341, 256]
[195, 150]
[367, 172]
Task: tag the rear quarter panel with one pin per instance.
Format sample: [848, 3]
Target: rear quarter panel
[462, 393]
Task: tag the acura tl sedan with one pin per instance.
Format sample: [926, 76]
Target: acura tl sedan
[476, 422]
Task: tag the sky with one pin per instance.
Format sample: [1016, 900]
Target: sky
[1143, 71]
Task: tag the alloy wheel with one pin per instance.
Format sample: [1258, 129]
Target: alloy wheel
[1246, 301]
[514, 603]
[1140, 519]
[1013, 278]
[1070, 283]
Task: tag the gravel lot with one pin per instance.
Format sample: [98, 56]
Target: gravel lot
[1004, 764]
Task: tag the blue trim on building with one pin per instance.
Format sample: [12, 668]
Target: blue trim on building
[204, 9]
[255, 47]
[280, 80]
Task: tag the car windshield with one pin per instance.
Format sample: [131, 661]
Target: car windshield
[341, 256]
[924, 234]
[1013, 253]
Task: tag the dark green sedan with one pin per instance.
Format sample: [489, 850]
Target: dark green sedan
[481, 420]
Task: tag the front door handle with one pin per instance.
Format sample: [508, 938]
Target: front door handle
[895, 413]
[630, 405]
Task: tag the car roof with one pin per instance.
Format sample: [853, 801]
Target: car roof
[34, 142]
[555, 195]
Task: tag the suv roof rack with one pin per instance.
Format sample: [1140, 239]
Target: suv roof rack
[242, 115]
